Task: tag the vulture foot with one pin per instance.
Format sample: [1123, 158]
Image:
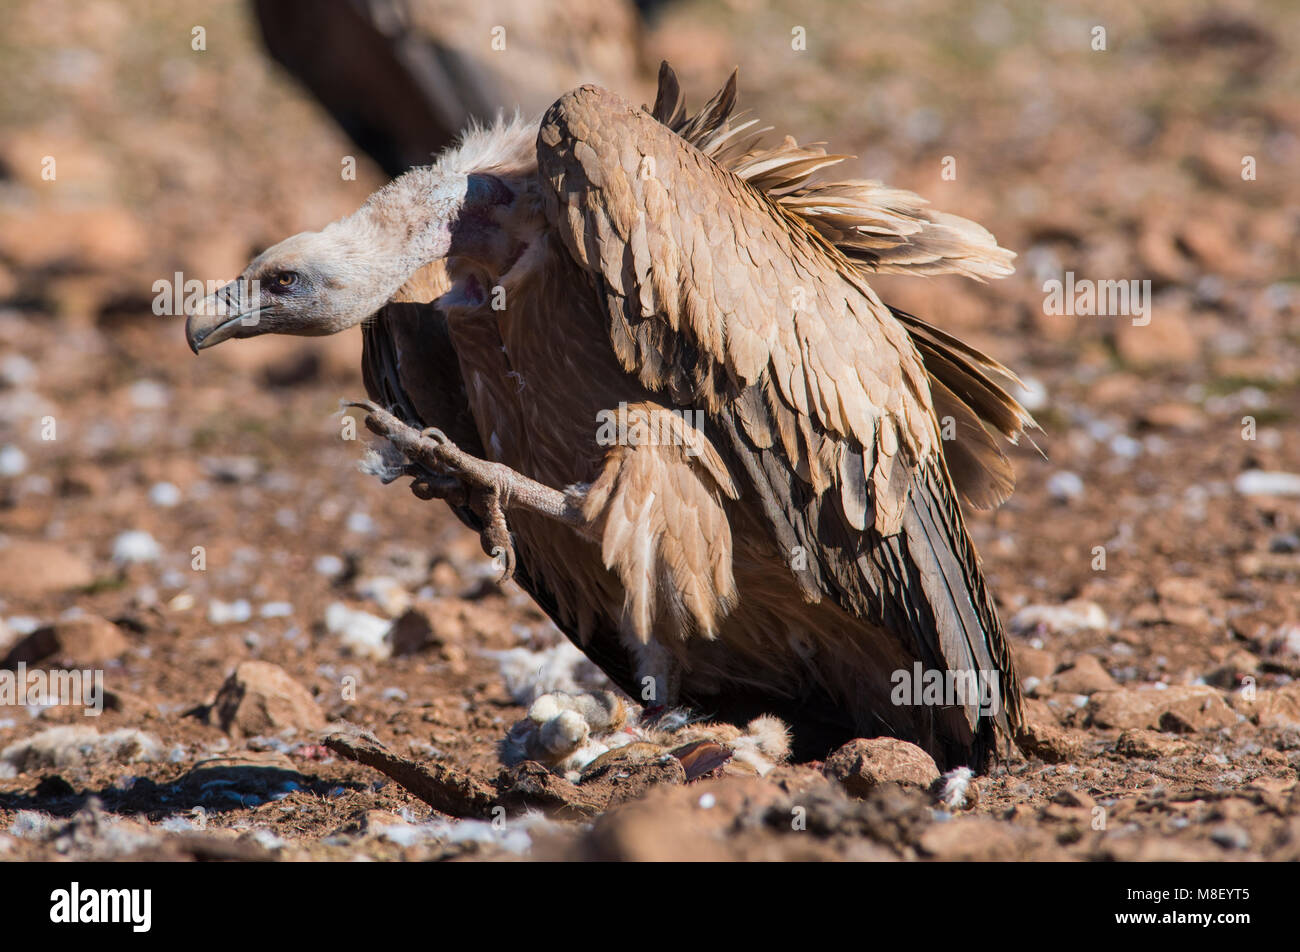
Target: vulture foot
[494, 487]
[427, 485]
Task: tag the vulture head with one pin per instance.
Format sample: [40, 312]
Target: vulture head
[322, 282]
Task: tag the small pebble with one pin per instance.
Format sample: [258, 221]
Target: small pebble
[1064, 486]
[1258, 482]
[227, 613]
[13, 461]
[166, 495]
[135, 546]
[149, 395]
[330, 565]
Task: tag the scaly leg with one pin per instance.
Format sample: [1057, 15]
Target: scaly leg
[496, 487]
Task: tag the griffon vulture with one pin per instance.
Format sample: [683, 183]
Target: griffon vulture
[664, 387]
[404, 77]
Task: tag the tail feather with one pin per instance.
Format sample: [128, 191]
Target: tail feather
[971, 387]
[969, 633]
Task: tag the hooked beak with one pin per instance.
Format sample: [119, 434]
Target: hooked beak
[218, 317]
[202, 331]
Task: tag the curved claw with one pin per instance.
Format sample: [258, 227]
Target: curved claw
[505, 557]
[496, 535]
[435, 435]
[421, 489]
[426, 485]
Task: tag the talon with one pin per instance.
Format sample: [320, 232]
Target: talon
[426, 485]
[506, 556]
[497, 534]
[435, 435]
[421, 489]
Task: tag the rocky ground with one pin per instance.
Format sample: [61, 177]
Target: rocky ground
[197, 528]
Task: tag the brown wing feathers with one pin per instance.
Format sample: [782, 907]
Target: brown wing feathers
[887, 230]
[884, 229]
[845, 395]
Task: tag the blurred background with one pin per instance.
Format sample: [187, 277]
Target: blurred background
[1174, 446]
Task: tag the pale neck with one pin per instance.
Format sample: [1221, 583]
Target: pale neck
[405, 225]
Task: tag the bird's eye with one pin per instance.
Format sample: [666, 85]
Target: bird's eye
[284, 280]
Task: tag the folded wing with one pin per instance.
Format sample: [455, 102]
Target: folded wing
[722, 298]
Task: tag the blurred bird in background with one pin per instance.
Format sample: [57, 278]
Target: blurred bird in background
[403, 78]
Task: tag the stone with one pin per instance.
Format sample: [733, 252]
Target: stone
[1033, 662]
[411, 633]
[88, 640]
[32, 568]
[1256, 482]
[972, 839]
[132, 705]
[1074, 798]
[1233, 670]
[1277, 708]
[861, 765]
[1270, 565]
[1043, 737]
[83, 479]
[1064, 486]
[680, 822]
[1185, 708]
[1167, 341]
[1148, 745]
[135, 546]
[261, 698]
[1183, 417]
[1180, 590]
[1085, 676]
